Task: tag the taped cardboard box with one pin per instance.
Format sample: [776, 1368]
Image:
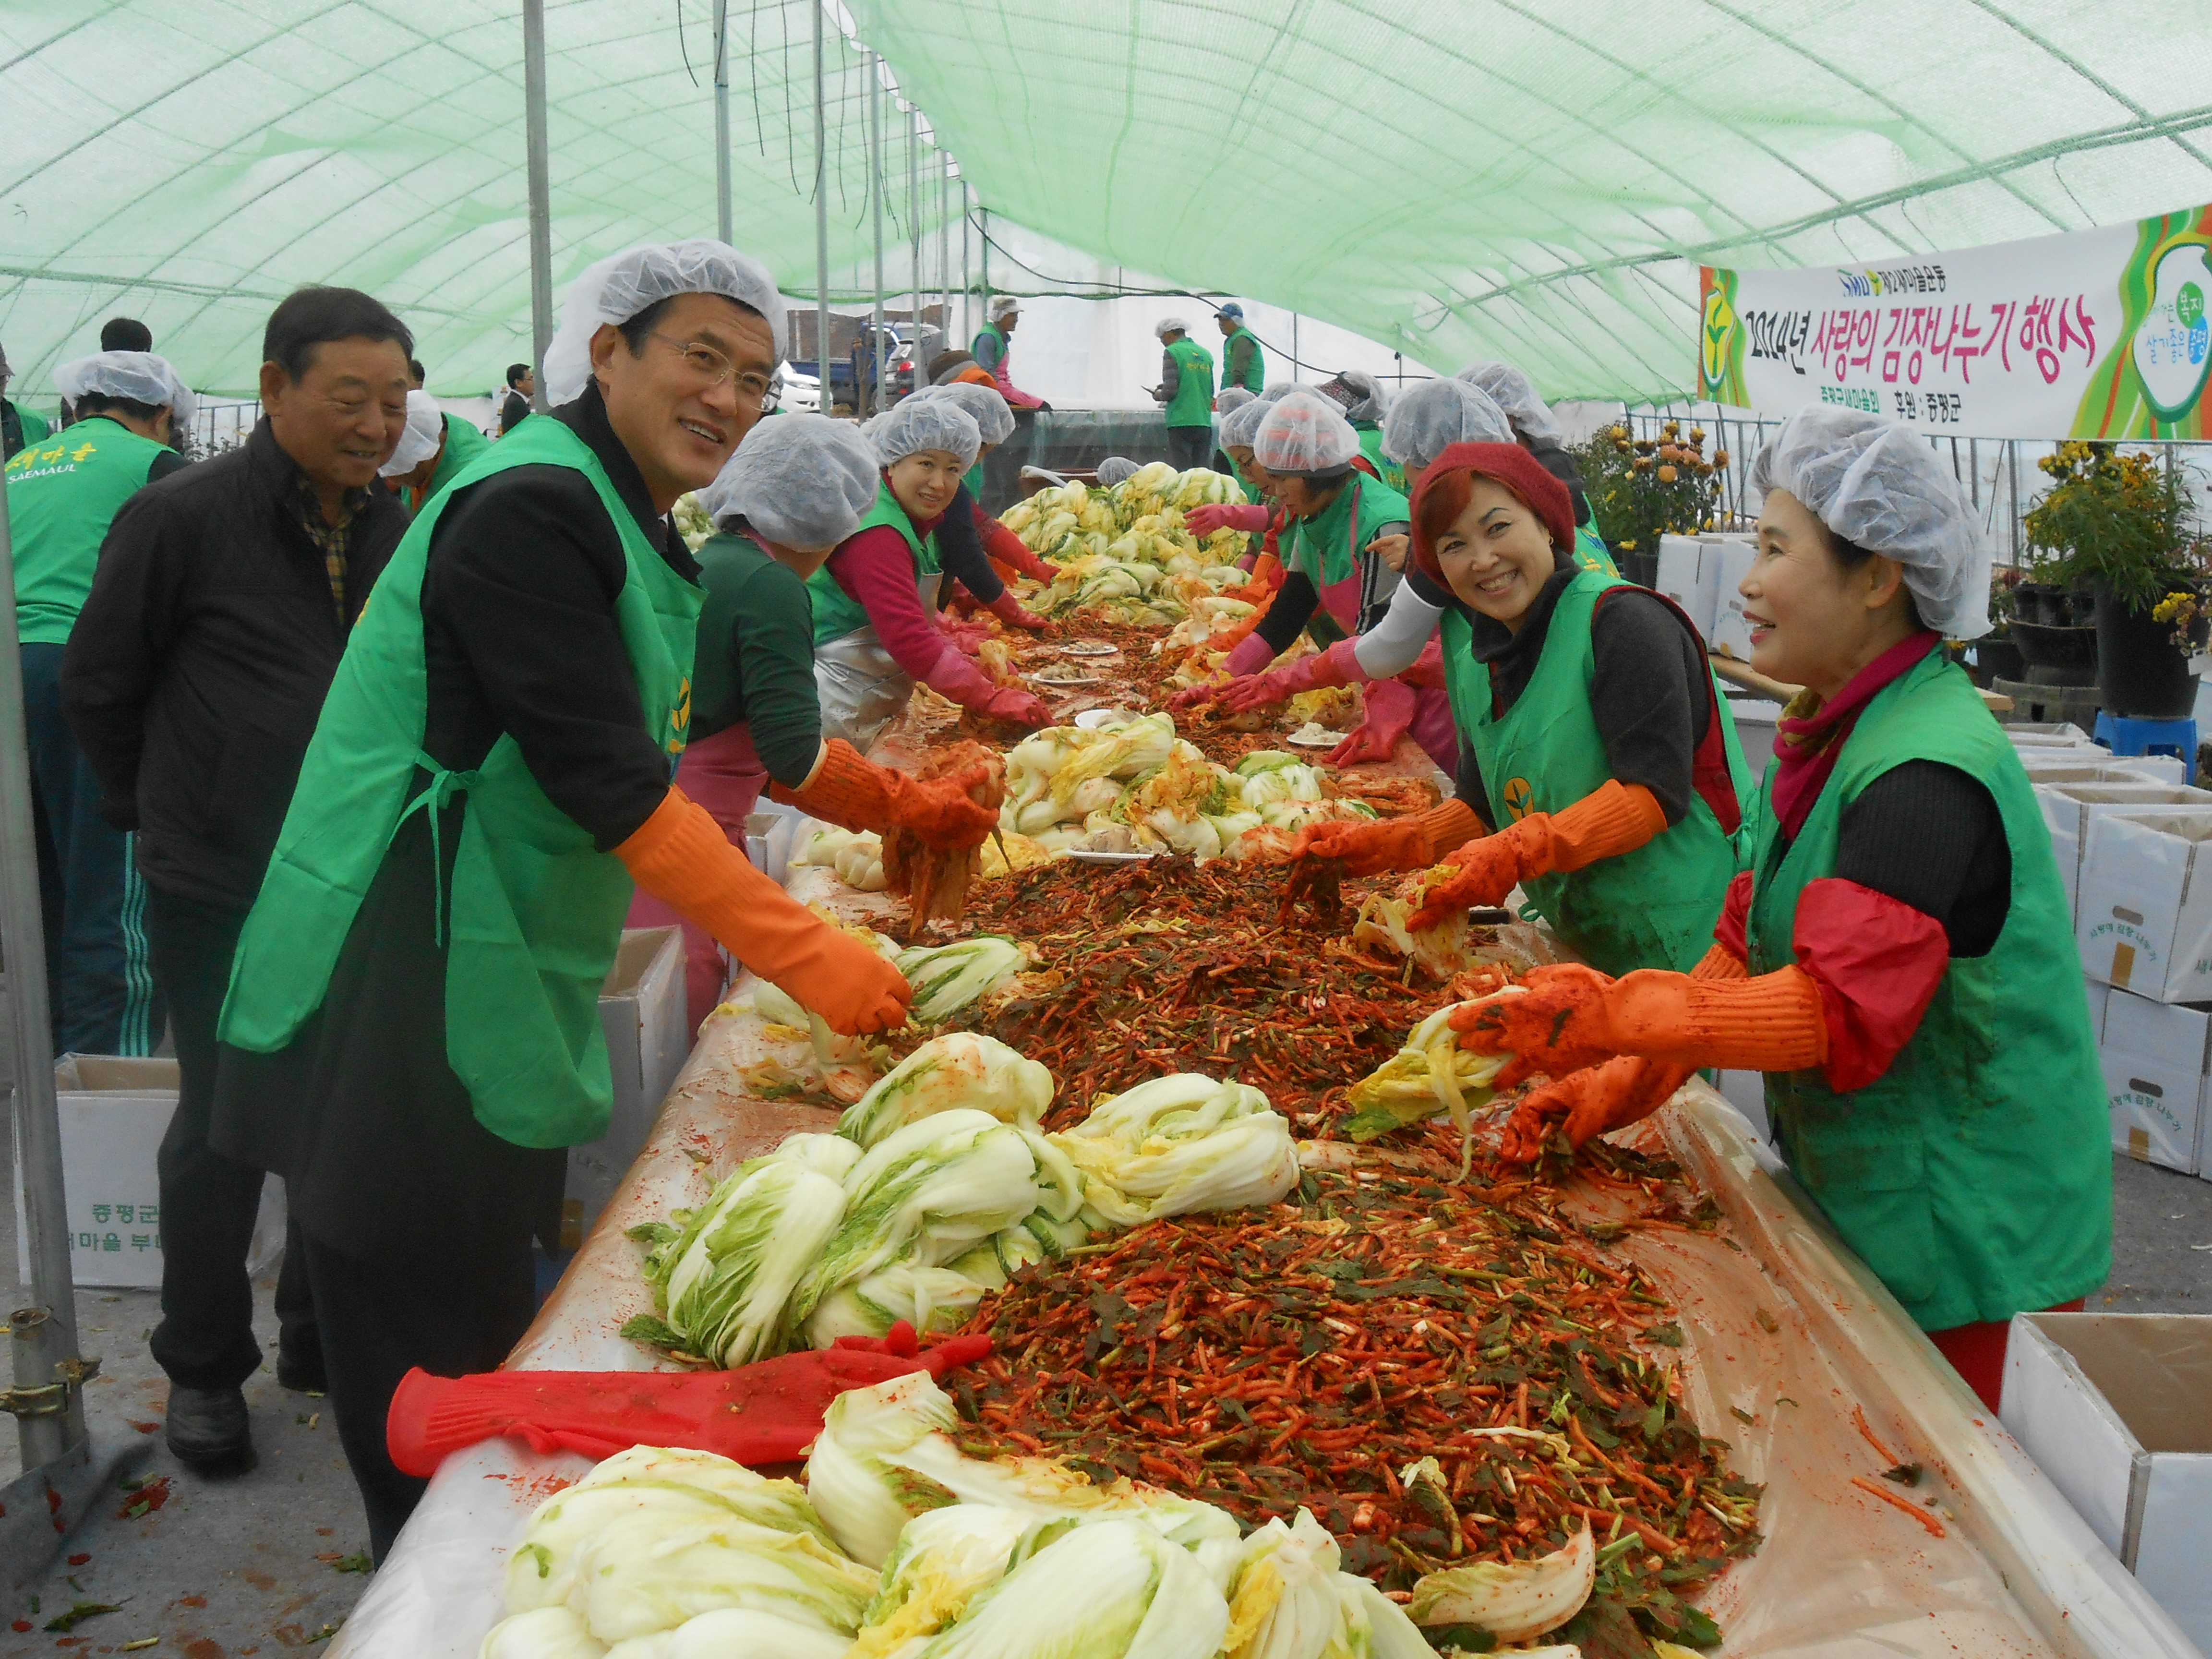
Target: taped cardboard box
[2144, 921]
[642, 1012]
[2117, 1409]
[2154, 1057]
[1691, 577]
[2068, 808]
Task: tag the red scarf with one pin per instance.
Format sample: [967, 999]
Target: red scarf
[1812, 734]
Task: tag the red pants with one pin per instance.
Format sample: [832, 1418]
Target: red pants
[1976, 1352]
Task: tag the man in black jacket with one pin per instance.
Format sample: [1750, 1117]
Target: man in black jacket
[521, 387]
[193, 680]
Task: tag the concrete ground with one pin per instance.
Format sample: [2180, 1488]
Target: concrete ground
[266, 1562]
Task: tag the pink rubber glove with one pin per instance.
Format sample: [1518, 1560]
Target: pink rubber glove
[1011, 703]
[1324, 668]
[1012, 612]
[1202, 521]
[966, 637]
[1389, 717]
[1251, 654]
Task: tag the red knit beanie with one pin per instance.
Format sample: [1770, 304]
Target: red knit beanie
[1511, 465]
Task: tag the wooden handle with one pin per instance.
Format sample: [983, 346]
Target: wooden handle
[1743, 674]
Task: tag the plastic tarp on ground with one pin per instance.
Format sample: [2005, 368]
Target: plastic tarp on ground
[1450, 177]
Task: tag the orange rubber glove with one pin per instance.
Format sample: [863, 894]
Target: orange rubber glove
[1618, 818]
[1412, 842]
[1599, 1099]
[681, 856]
[1570, 1017]
[848, 789]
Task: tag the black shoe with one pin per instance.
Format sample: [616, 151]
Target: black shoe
[208, 1431]
[302, 1373]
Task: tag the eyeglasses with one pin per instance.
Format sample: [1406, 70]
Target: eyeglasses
[712, 367]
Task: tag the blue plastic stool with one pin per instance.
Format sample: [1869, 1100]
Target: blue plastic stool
[2124, 736]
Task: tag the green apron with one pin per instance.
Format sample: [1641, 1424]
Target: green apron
[837, 613]
[1974, 1176]
[535, 912]
[1193, 403]
[1653, 907]
[1326, 549]
[1589, 551]
[860, 684]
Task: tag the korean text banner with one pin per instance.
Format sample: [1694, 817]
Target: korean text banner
[2097, 334]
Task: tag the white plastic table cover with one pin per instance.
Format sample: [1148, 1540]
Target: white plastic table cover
[1840, 1573]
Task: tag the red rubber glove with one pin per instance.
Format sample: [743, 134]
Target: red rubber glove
[1002, 545]
[764, 1414]
[1389, 716]
[1011, 610]
[967, 638]
[1011, 703]
[1334, 666]
[1203, 521]
[1196, 697]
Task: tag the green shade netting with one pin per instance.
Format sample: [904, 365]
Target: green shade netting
[1452, 178]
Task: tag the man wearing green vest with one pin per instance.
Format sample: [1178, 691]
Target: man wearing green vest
[18, 426]
[1242, 362]
[412, 1036]
[993, 350]
[1898, 956]
[1187, 388]
[432, 452]
[61, 496]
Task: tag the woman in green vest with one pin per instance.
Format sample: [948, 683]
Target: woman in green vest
[1899, 957]
[1595, 739]
[875, 602]
[412, 1036]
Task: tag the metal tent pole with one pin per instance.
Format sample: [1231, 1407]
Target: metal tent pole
[876, 206]
[823, 403]
[45, 1348]
[944, 245]
[541, 193]
[983, 243]
[722, 118]
[967, 270]
[914, 231]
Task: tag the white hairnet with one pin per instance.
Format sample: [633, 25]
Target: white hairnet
[141, 376]
[1168, 325]
[1240, 423]
[1232, 400]
[1876, 483]
[1004, 306]
[618, 288]
[1276, 390]
[802, 480]
[1363, 397]
[924, 424]
[426, 427]
[984, 404]
[1114, 469]
[1304, 435]
[1515, 393]
[1428, 418]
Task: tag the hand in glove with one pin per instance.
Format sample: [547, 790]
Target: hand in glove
[1001, 544]
[1012, 703]
[846, 789]
[1334, 666]
[681, 856]
[1570, 1017]
[1011, 610]
[1609, 821]
[967, 637]
[1389, 716]
[1372, 845]
[1203, 521]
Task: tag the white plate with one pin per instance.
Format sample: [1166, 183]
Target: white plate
[1305, 738]
[1093, 719]
[1089, 648]
[1083, 856]
[1056, 683]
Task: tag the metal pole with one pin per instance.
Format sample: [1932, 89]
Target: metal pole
[983, 242]
[966, 269]
[944, 245]
[541, 193]
[876, 207]
[825, 403]
[722, 118]
[46, 1350]
[914, 231]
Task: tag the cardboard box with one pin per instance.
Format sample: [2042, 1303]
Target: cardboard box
[1690, 578]
[2154, 1058]
[2144, 921]
[2032, 732]
[2068, 808]
[1727, 560]
[2117, 1409]
[113, 1112]
[643, 1012]
[2097, 767]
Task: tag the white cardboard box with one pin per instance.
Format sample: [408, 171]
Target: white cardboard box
[2069, 808]
[2044, 766]
[2144, 921]
[2154, 1058]
[643, 1012]
[2117, 1409]
[1690, 576]
[113, 1112]
[1727, 562]
[2024, 732]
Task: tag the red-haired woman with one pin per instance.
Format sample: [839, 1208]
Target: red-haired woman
[1595, 743]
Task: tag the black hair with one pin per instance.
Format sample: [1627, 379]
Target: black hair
[90, 404]
[634, 331]
[126, 334]
[516, 371]
[308, 317]
[415, 368]
[1851, 555]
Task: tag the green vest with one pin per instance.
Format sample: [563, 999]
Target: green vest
[1193, 403]
[996, 362]
[1653, 907]
[1255, 366]
[1975, 1176]
[837, 613]
[62, 496]
[464, 443]
[1589, 551]
[1325, 547]
[1467, 686]
[535, 912]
